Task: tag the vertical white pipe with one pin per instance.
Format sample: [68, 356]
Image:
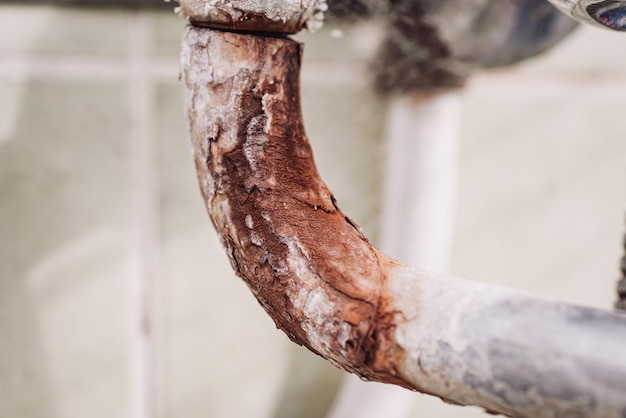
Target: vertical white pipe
[417, 222]
[420, 188]
[141, 280]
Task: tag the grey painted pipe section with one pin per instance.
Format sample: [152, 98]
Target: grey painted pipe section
[510, 352]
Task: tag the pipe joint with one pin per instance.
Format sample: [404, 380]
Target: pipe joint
[266, 16]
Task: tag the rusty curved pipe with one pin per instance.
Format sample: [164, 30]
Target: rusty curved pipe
[329, 289]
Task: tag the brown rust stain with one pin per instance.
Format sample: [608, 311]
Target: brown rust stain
[283, 232]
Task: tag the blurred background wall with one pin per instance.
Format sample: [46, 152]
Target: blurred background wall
[97, 189]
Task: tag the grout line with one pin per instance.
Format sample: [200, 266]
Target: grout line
[15, 66]
[143, 233]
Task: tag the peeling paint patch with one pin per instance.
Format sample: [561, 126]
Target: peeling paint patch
[221, 211]
[298, 264]
[317, 306]
[318, 310]
[257, 138]
[255, 239]
[249, 221]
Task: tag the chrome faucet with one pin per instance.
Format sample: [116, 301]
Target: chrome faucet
[609, 14]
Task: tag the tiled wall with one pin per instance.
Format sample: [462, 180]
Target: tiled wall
[98, 196]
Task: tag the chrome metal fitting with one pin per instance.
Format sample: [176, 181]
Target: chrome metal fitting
[609, 14]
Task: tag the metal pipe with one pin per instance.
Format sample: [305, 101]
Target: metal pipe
[330, 290]
[513, 353]
[608, 14]
[141, 283]
[285, 16]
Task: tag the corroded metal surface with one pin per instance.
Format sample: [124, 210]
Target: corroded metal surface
[309, 266]
[286, 16]
[329, 289]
